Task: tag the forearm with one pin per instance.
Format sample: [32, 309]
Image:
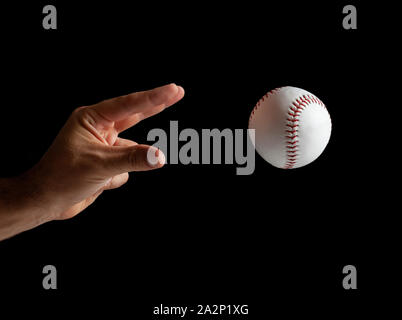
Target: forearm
[22, 205]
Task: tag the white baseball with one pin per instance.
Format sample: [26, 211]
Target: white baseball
[292, 127]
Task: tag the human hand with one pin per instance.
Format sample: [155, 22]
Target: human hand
[87, 157]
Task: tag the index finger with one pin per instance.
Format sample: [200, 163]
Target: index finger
[122, 107]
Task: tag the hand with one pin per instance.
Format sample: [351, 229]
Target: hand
[87, 157]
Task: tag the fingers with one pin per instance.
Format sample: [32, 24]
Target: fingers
[134, 119]
[139, 104]
[78, 207]
[139, 157]
[120, 142]
[117, 181]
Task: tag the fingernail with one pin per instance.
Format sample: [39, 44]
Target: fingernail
[161, 157]
[155, 157]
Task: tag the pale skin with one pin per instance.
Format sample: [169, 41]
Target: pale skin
[86, 158]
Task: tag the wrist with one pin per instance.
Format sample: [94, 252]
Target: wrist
[24, 204]
[35, 193]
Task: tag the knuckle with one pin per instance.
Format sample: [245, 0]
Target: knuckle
[78, 112]
[134, 158]
[82, 115]
[152, 98]
[126, 101]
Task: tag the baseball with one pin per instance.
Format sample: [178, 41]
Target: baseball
[292, 127]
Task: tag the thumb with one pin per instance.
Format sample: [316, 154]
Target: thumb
[140, 157]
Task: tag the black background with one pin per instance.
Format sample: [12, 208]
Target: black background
[277, 239]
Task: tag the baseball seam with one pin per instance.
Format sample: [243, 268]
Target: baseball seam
[292, 127]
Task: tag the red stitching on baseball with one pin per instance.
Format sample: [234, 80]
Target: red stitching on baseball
[300, 104]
